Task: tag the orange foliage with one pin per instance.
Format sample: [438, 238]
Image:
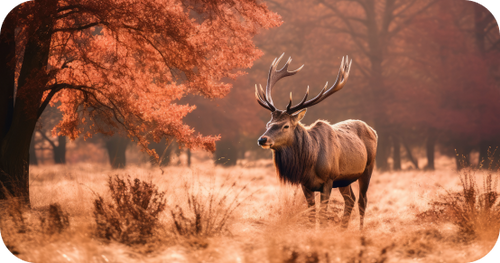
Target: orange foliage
[122, 65]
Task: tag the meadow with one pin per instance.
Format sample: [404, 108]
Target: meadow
[243, 214]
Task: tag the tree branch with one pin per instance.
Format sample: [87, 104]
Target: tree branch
[47, 139]
[170, 68]
[53, 90]
[80, 28]
[409, 19]
[398, 14]
[362, 70]
[44, 104]
[348, 24]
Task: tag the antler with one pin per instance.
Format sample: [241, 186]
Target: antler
[265, 99]
[342, 77]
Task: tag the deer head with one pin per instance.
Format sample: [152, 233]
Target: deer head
[281, 127]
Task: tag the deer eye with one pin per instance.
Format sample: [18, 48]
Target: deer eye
[286, 127]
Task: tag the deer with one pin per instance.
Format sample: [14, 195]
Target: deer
[321, 156]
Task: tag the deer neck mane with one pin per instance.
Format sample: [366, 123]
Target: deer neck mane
[292, 162]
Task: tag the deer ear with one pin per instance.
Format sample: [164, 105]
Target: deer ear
[300, 115]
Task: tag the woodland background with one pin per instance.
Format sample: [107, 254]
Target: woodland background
[425, 76]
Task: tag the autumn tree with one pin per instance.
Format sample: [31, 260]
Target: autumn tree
[118, 65]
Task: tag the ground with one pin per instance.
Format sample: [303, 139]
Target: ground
[270, 222]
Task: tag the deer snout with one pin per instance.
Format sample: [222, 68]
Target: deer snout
[264, 142]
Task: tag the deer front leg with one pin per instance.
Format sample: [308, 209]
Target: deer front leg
[310, 201]
[309, 196]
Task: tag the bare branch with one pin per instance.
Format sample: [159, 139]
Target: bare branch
[403, 10]
[362, 70]
[47, 139]
[409, 19]
[347, 23]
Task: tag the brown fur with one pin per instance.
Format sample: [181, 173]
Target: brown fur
[293, 162]
[323, 156]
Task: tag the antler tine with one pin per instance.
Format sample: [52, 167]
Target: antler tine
[301, 102]
[259, 94]
[274, 76]
[342, 76]
[259, 99]
[290, 103]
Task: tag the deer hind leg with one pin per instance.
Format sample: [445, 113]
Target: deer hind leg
[364, 181]
[349, 200]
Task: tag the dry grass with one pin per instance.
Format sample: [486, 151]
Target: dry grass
[243, 214]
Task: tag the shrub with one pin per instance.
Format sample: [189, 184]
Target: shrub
[132, 216]
[206, 214]
[474, 209]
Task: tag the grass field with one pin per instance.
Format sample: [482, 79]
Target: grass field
[243, 214]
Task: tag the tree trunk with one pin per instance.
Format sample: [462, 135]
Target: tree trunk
[383, 151]
[226, 153]
[116, 147]
[429, 149]
[178, 153]
[412, 159]
[188, 152]
[396, 154]
[17, 121]
[60, 150]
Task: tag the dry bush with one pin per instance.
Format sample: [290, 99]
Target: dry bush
[132, 216]
[206, 214]
[55, 220]
[474, 209]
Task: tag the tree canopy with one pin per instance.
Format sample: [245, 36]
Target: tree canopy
[125, 63]
[115, 65]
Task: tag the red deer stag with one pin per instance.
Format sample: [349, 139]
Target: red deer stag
[321, 156]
